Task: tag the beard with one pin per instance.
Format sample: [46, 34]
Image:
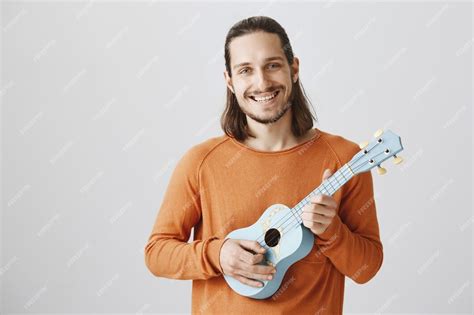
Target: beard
[270, 120]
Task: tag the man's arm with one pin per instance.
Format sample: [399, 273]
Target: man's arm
[352, 240]
[167, 253]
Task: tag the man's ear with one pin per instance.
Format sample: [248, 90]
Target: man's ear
[228, 81]
[295, 69]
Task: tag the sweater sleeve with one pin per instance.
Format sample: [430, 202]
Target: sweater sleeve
[352, 241]
[168, 253]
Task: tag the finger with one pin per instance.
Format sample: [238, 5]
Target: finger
[246, 256]
[252, 245]
[315, 226]
[250, 269]
[317, 218]
[249, 282]
[255, 276]
[327, 173]
[257, 258]
[250, 258]
[324, 200]
[322, 210]
[261, 269]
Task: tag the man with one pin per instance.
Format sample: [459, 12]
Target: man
[270, 153]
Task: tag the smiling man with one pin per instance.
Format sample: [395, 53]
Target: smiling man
[269, 153]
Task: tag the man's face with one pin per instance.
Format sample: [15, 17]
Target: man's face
[261, 76]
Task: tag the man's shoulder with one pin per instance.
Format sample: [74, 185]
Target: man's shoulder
[197, 153]
[342, 148]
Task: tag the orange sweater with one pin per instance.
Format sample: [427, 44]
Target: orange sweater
[221, 185]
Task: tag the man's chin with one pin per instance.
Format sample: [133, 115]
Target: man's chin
[269, 118]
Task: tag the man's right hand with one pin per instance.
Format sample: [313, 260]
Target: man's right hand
[237, 261]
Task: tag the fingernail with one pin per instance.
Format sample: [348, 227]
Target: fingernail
[269, 277]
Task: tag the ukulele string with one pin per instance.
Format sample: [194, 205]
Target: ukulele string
[290, 217]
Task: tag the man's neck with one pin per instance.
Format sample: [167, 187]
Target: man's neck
[276, 136]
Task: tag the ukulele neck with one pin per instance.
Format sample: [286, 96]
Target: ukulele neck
[327, 187]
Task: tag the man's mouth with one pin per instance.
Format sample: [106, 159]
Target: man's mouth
[266, 98]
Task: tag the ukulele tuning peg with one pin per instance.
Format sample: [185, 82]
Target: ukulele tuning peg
[381, 170]
[364, 144]
[397, 159]
[378, 133]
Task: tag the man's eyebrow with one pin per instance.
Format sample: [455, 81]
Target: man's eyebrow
[266, 60]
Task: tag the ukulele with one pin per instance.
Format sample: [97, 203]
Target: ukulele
[280, 230]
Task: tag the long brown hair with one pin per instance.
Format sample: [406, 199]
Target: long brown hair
[233, 120]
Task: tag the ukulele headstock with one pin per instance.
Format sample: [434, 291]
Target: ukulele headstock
[385, 145]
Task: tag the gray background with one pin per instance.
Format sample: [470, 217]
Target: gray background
[100, 100]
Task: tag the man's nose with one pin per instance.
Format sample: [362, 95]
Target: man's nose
[261, 81]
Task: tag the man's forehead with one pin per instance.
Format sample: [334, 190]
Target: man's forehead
[256, 48]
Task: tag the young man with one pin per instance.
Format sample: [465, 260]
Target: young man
[270, 153]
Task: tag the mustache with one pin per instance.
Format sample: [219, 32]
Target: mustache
[272, 89]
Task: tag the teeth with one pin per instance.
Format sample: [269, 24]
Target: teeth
[266, 98]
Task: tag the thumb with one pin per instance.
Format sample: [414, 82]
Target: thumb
[327, 173]
[253, 246]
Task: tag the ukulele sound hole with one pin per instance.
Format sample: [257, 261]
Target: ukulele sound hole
[272, 237]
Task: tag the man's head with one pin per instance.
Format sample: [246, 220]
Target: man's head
[262, 78]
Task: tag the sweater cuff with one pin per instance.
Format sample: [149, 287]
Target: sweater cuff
[331, 233]
[214, 251]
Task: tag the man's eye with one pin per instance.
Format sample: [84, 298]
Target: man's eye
[273, 65]
[243, 71]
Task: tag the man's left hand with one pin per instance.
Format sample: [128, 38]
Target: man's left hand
[319, 213]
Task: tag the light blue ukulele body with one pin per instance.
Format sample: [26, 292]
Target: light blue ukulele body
[280, 231]
[295, 244]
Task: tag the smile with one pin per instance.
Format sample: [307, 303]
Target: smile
[264, 99]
